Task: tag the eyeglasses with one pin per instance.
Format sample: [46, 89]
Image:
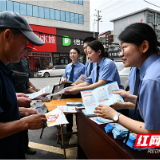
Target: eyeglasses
[27, 49]
[121, 49]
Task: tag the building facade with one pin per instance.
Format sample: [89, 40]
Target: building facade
[53, 21]
[148, 16]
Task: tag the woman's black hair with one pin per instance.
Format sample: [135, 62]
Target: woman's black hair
[78, 51]
[96, 46]
[138, 32]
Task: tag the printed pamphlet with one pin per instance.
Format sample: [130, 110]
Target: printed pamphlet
[37, 94]
[101, 95]
[81, 79]
[55, 117]
[67, 109]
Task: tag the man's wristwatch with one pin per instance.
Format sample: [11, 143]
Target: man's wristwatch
[116, 117]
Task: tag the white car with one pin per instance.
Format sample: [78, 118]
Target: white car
[124, 74]
[55, 71]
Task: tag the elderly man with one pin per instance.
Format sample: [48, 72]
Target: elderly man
[14, 35]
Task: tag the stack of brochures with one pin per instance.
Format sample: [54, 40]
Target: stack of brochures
[131, 142]
[119, 132]
[88, 115]
[101, 95]
[103, 120]
[109, 127]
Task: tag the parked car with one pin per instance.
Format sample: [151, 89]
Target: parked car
[124, 74]
[55, 71]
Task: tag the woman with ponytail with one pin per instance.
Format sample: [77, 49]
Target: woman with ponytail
[105, 71]
[138, 49]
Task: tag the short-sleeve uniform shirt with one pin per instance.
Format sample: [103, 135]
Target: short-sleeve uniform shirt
[149, 91]
[88, 66]
[107, 71]
[8, 112]
[78, 70]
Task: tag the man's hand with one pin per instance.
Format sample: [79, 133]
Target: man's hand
[36, 121]
[23, 101]
[30, 111]
[72, 90]
[21, 95]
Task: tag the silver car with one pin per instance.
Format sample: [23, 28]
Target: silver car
[124, 74]
[55, 71]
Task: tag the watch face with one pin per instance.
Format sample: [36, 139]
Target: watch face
[115, 118]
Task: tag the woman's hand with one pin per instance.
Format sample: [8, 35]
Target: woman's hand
[71, 90]
[125, 95]
[105, 111]
[63, 80]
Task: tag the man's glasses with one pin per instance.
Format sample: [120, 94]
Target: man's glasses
[27, 49]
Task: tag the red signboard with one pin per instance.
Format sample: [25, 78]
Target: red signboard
[49, 38]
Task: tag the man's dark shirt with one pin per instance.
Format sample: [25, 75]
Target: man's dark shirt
[21, 75]
[8, 112]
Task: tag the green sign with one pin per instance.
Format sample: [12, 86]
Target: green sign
[66, 41]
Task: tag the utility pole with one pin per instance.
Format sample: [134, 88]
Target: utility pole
[98, 19]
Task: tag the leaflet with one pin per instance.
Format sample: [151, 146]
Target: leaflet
[55, 117]
[67, 109]
[101, 95]
[81, 79]
[37, 94]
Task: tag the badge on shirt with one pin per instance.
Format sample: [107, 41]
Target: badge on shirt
[77, 70]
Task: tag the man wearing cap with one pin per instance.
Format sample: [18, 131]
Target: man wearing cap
[14, 35]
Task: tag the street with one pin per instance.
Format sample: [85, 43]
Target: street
[47, 147]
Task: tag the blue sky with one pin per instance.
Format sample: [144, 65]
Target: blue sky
[111, 9]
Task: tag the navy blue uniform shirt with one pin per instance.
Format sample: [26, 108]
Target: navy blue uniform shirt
[8, 112]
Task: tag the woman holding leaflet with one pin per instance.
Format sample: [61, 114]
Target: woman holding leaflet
[105, 71]
[139, 50]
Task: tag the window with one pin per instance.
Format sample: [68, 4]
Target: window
[22, 8]
[158, 19]
[52, 13]
[158, 34]
[2, 6]
[80, 19]
[63, 17]
[10, 6]
[57, 15]
[150, 18]
[68, 17]
[29, 10]
[81, 2]
[76, 1]
[75, 18]
[72, 17]
[41, 12]
[46, 13]
[35, 11]
[16, 7]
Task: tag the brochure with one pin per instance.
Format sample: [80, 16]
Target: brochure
[74, 104]
[100, 120]
[55, 117]
[67, 109]
[101, 95]
[37, 94]
[81, 79]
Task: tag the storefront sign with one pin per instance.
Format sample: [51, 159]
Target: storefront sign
[37, 54]
[78, 42]
[66, 41]
[49, 38]
[113, 54]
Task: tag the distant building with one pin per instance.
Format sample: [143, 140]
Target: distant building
[61, 24]
[147, 15]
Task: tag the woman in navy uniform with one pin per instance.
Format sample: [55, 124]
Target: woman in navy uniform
[138, 44]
